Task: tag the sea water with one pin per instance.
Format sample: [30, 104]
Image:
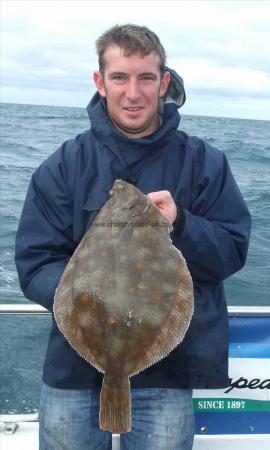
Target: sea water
[29, 134]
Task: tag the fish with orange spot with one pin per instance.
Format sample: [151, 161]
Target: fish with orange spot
[118, 333]
[85, 298]
[96, 340]
[112, 320]
[131, 290]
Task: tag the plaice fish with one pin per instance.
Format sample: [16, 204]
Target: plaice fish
[125, 299]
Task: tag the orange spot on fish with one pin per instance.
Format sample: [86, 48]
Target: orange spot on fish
[156, 298]
[131, 290]
[105, 284]
[139, 266]
[112, 320]
[144, 334]
[136, 351]
[153, 221]
[104, 253]
[85, 298]
[165, 274]
[96, 340]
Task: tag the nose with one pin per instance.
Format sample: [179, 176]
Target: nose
[133, 90]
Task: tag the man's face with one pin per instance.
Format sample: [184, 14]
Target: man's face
[132, 86]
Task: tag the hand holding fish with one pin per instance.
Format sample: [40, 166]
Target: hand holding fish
[165, 203]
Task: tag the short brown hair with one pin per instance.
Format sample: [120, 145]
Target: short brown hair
[132, 39]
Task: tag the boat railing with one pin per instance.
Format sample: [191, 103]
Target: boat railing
[20, 308]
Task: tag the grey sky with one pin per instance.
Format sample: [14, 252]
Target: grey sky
[220, 48]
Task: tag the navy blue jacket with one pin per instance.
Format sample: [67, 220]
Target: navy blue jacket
[66, 193]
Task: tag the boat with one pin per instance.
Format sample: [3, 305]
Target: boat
[234, 418]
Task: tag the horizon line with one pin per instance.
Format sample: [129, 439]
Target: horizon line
[181, 114]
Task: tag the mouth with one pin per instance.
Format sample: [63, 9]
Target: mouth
[133, 109]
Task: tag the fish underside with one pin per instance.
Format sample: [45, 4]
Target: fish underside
[125, 299]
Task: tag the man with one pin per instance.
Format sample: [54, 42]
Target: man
[134, 119]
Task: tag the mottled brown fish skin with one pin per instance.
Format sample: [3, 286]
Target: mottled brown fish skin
[125, 299]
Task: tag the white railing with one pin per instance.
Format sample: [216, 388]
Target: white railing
[21, 308]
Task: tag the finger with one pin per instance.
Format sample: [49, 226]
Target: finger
[159, 196]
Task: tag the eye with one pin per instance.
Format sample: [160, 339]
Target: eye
[148, 78]
[118, 77]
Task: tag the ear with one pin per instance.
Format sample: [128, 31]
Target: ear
[164, 83]
[99, 82]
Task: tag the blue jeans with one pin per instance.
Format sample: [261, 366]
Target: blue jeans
[162, 419]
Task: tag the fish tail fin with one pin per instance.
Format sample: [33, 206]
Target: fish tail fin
[115, 406]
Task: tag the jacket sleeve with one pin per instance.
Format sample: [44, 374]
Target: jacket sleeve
[44, 238]
[215, 231]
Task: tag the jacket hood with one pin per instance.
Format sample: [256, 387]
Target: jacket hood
[176, 91]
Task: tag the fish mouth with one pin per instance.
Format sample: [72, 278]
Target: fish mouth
[118, 186]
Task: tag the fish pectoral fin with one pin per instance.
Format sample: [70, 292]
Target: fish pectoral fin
[126, 234]
[115, 405]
